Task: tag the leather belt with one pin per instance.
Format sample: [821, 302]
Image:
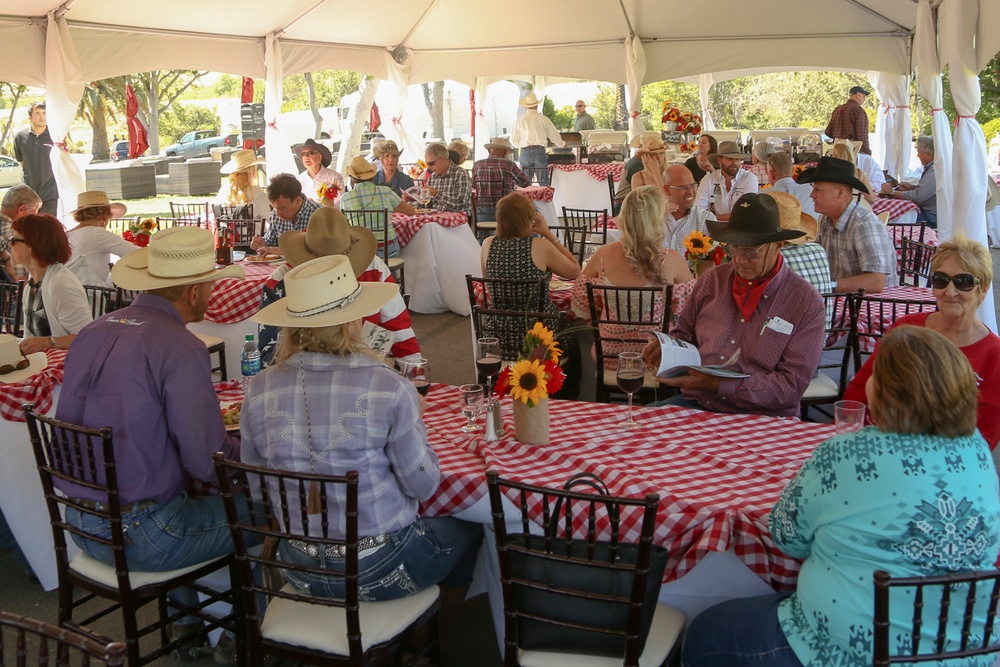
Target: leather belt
[125, 507]
[366, 545]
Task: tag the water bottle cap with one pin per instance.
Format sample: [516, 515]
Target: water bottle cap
[248, 338]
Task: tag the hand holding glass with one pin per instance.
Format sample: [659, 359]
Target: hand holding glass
[848, 416]
[470, 397]
[631, 374]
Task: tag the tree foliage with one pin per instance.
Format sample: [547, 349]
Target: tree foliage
[180, 119]
[11, 93]
[330, 86]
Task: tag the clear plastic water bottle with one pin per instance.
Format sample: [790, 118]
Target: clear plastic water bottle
[249, 361]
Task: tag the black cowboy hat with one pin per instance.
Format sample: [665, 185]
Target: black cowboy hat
[754, 221]
[324, 152]
[832, 170]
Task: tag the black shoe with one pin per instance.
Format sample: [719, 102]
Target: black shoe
[225, 650]
[192, 650]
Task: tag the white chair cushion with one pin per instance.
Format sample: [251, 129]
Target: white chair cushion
[395, 262]
[325, 628]
[822, 386]
[668, 623]
[611, 380]
[94, 569]
[209, 341]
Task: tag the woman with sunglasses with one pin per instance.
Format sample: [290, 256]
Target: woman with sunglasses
[962, 271]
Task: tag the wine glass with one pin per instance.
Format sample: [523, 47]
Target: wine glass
[470, 397]
[488, 361]
[417, 371]
[631, 373]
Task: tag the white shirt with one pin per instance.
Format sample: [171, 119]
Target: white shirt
[743, 183]
[800, 191]
[873, 170]
[310, 184]
[534, 129]
[677, 230]
[96, 245]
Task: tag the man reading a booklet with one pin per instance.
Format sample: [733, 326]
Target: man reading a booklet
[753, 317]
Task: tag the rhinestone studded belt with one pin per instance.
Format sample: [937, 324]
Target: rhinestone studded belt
[365, 544]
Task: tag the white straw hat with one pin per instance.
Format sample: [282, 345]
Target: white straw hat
[95, 198]
[240, 161]
[175, 256]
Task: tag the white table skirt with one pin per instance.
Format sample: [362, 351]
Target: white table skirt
[578, 189]
[234, 337]
[548, 211]
[437, 260]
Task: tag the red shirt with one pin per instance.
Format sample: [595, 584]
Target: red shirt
[984, 355]
[849, 121]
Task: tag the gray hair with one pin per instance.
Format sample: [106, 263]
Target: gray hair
[437, 150]
[18, 196]
[925, 144]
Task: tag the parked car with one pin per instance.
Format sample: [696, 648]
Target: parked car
[120, 150]
[10, 172]
[197, 144]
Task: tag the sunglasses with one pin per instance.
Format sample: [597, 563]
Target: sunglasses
[309, 154]
[964, 282]
[434, 162]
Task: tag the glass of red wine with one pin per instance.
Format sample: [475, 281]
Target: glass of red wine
[488, 362]
[631, 374]
[417, 371]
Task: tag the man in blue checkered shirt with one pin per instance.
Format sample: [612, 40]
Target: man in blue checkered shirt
[450, 185]
[290, 212]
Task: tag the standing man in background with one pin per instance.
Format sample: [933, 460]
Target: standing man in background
[583, 121]
[849, 120]
[532, 133]
[32, 146]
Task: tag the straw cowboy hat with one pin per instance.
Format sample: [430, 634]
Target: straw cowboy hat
[324, 292]
[754, 221]
[389, 147]
[831, 170]
[241, 161]
[649, 142]
[95, 198]
[329, 233]
[530, 101]
[325, 155]
[361, 169]
[500, 142]
[24, 367]
[792, 217]
[175, 256]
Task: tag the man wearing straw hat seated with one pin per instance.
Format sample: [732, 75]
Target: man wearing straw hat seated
[366, 196]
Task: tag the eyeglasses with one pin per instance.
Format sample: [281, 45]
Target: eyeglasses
[964, 282]
[689, 187]
[14, 241]
[749, 252]
[309, 154]
[581, 106]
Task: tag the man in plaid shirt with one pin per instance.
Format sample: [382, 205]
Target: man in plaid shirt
[849, 120]
[290, 212]
[495, 177]
[450, 186]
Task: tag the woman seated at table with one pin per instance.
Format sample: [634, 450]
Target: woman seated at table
[699, 164]
[458, 152]
[243, 189]
[758, 161]
[962, 272]
[390, 175]
[330, 405]
[90, 243]
[915, 496]
[638, 260]
[843, 151]
[55, 305]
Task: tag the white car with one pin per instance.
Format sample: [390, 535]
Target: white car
[10, 172]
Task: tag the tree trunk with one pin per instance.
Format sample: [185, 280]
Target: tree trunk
[621, 109]
[99, 122]
[434, 101]
[350, 146]
[16, 92]
[311, 92]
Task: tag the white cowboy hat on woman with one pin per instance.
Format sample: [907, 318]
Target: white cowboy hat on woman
[95, 198]
[175, 256]
[241, 161]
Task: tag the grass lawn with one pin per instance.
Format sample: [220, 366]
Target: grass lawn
[160, 204]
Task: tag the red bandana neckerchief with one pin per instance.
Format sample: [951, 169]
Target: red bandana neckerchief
[748, 292]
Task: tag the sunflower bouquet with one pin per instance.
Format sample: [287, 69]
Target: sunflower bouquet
[684, 121]
[417, 169]
[328, 193]
[140, 231]
[699, 247]
[536, 374]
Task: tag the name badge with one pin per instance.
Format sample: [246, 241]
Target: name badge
[780, 325]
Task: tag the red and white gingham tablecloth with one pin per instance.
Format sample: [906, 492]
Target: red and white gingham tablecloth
[599, 170]
[717, 475]
[895, 207]
[537, 192]
[407, 226]
[37, 389]
[235, 300]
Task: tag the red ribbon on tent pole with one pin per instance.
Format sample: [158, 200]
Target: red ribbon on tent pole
[246, 94]
[472, 114]
[374, 120]
[138, 139]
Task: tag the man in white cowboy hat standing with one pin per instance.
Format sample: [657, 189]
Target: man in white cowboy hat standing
[719, 190]
[329, 233]
[858, 245]
[532, 133]
[316, 159]
[140, 371]
[366, 196]
[495, 176]
[755, 316]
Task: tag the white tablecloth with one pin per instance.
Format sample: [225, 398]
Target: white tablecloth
[234, 337]
[578, 189]
[437, 260]
[548, 211]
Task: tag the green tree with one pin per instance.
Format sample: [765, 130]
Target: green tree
[562, 119]
[227, 86]
[11, 94]
[330, 86]
[180, 119]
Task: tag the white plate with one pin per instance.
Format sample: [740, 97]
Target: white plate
[254, 260]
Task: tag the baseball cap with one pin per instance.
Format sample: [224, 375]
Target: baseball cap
[859, 89]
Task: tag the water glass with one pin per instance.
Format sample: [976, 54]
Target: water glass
[470, 398]
[631, 373]
[848, 416]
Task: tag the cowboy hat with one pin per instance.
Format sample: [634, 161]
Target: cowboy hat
[95, 198]
[649, 142]
[992, 194]
[729, 149]
[754, 221]
[324, 152]
[175, 256]
[18, 367]
[792, 217]
[831, 170]
[241, 161]
[389, 147]
[329, 233]
[361, 169]
[324, 292]
[500, 142]
[530, 101]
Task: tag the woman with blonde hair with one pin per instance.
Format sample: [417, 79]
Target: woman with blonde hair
[243, 188]
[843, 151]
[639, 259]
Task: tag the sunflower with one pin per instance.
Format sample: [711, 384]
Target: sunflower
[527, 382]
[148, 225]
[698, 244]
[539, 343]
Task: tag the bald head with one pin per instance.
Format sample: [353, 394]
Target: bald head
[681, 188]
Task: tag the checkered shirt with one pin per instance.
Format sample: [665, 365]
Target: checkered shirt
[277, 226]
[369, 197]
[675, 231]
[499, 169]
[857, 243]
[849, 121]
[809, 261]
[454, 191]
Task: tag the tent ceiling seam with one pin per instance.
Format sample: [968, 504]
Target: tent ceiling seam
[628, 22]
[865, 8]
[280, 31]
[419, 22]
[84, 25]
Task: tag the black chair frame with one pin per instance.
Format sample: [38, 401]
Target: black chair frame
[885, 311]
[379, 221]
[12, 307]
[841, 338]
[915, 262]
[579, 225]
[66, 645]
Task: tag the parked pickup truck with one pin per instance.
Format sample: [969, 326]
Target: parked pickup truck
[197, 144]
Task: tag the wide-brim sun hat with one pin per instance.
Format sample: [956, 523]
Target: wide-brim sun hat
[729, 149]
[326, 157]
[324, 292]
[530, 101]
[792, 217]
[832, 170]
[175, 256]
[754, 220]
[361, 169]
[95, 198]
[32, 363]
[500, 142]
[241, 161]
[328, 233]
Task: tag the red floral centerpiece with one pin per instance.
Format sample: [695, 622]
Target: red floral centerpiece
[140, 231]
[328, 193]
[417, 170]
[702, 253]
[680, 121]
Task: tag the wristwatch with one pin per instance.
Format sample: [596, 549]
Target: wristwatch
[835, 284]
[52, 341]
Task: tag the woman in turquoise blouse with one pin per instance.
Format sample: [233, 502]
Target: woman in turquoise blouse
[915, 496]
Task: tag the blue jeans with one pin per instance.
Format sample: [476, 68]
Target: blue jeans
[441, 550]
[930, 217]
[534, 160]
[393, 247]
[739, 633]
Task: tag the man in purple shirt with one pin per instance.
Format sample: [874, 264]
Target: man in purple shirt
[141, 372]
